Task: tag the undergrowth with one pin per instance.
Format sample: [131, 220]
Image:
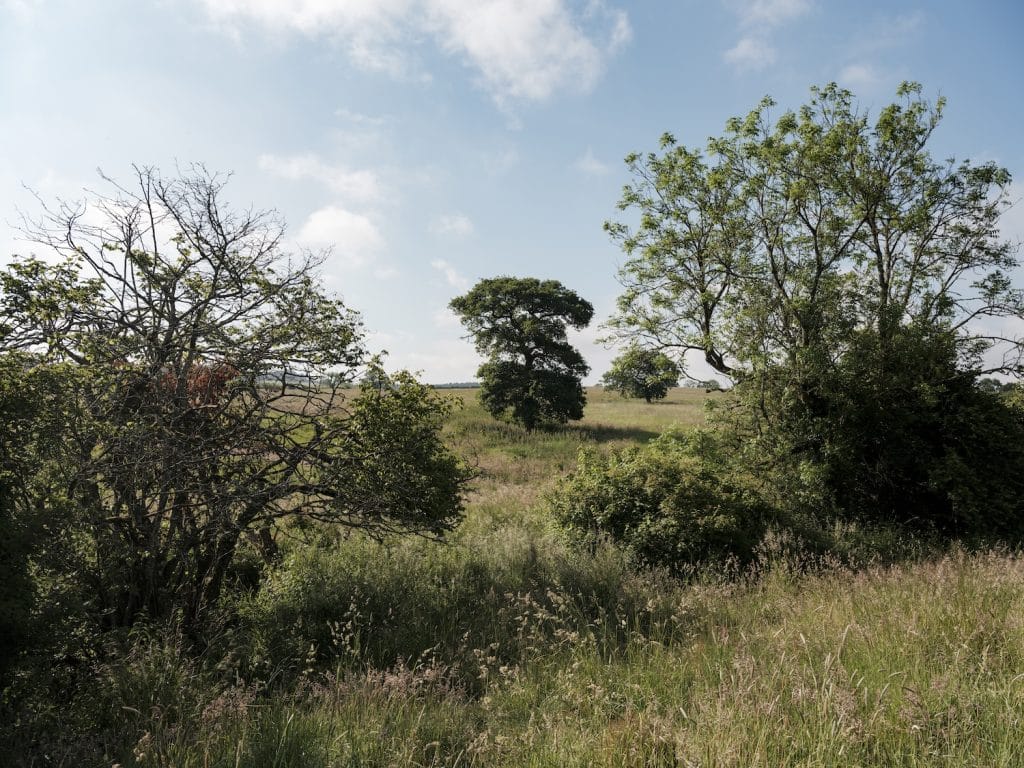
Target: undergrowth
[507, 646]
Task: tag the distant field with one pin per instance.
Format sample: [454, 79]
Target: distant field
[515, 463]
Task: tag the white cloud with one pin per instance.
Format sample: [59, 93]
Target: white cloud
[352, 237]
[359, 119]
[757, 18]
[446, 318]
[500, 162]
[869, 50]
[1011, 223]
[357, 186]
[751, 53]
[521, 49]
[444, 361]
[858, 76]
[770, 13]
[888, 33]
[451, 275]
[22, 9]
[455, 224]
[590, 165]
[361, 19]
[386, 273]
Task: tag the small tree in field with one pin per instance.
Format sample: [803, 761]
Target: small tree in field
[532, 375]
[203, 400]
[640, 372]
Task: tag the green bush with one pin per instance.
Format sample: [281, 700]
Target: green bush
[671, 503]
[903, 433]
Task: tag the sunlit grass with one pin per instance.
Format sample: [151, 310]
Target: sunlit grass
[510, 459]
[508, 647]
[908, 666]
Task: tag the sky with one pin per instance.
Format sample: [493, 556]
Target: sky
[431, 143]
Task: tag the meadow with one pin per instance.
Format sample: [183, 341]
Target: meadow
[508, 646]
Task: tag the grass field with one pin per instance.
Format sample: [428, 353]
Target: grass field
[507, 647]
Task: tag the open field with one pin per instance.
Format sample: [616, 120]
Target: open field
[507, 647]
[515, 464]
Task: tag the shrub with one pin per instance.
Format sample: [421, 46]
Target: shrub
[672, 503]
[906, 435]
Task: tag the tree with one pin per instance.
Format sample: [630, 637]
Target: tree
[640, 372]
[793, 252]
[203, 374]
[532, 374]
[783, 238]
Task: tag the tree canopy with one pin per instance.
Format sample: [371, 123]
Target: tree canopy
[788, 235]
[202, 401]
[532, 374]
[855, 289]
[640, 372]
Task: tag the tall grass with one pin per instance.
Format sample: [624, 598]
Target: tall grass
[507, 647]
[915, 665]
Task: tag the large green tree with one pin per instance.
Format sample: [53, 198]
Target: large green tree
[785, 235]
[640, 372]
[532, 374]
[800, 251]
[202, 403]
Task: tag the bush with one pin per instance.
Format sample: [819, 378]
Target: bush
[671, 503]
[907, 435]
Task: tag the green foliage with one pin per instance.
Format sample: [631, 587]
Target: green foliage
[532, 375]
[41, 567]
[202, 400]
[901, 433]
[671, 503]
[787, 236]
[17, 590]
[834, 270]
[640, 372]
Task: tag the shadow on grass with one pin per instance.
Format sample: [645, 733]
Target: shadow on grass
[605, 433]
[503, 434]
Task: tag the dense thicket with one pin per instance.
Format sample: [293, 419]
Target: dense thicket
[196, 402]
[674, 502]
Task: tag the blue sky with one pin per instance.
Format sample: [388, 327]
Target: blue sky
[430, 143]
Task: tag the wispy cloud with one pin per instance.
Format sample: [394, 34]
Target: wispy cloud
[454, 224]
[21, 9]
[1011, 223]
[355, 185]
[446, 318]
[757, 19]
[868, 56]
[888, 32]
[360, 119]
[528, 49]
[859, 76]
[751, 53]
[520, 49]
[500, 161]
[451, 275]
[590, 165]
[771, 13]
